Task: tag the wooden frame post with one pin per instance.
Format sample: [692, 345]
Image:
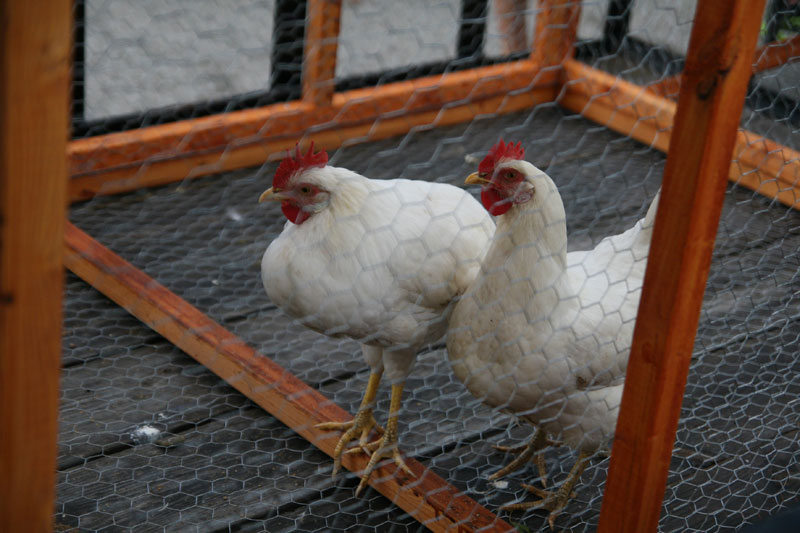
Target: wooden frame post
[35, 57]
[322, 38]
[556, 31]
[511, 23]
[718, 67]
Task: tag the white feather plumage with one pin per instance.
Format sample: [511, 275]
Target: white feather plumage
[382, 263]
[546, 334]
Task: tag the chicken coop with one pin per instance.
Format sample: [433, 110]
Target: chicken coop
[149, 383]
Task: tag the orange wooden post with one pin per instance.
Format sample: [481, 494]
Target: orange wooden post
[556, 31]
[713, 87]
[34, 110]
[511, 24]
[319, 63]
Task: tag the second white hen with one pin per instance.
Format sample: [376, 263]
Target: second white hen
[379, 261]
[542, 333]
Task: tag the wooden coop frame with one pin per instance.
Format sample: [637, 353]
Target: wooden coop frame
[37, 181]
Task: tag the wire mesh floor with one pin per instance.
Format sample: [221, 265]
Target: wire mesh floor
[150, 440]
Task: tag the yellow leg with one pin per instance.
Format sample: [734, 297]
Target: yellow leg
[554, 501]
[386, 446]
[362, 423]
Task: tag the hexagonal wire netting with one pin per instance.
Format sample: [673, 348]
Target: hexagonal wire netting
[151, 440]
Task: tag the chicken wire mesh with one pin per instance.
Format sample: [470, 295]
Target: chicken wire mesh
[151, 440]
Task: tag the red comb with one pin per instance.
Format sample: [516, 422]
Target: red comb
[292, 165]
[500, 151]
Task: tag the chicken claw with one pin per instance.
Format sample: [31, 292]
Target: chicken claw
[363, 423]
[385, 448]
[538, 442]
[553, 501]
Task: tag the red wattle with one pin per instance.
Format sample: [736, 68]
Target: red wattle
[494, 202]
[294, 213]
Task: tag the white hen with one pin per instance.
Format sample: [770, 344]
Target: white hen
[379, 261]
[543, 333]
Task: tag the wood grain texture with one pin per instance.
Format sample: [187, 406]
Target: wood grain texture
[556, 31]
[619, 105]
[762, 165]
[428, 498]
[34, 109]
[712, 95]
[163, 154]
[319, 63]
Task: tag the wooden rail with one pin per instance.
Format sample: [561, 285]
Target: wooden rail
[120, 162]
[619, 105]
[762, 165]
[713, 87]
[773, 55]
[428, 498]
[766, 57]
[35, 51]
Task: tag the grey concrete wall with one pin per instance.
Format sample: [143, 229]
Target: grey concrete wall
[142, 54]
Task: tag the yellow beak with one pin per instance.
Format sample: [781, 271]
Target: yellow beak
[476, 179]
[272, 195]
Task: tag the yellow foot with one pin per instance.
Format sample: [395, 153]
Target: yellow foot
[361, 426]
[552, 501]
[525, 453]
[383, 448]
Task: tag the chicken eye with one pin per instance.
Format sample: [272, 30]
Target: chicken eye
[510, 175]
[305, 189]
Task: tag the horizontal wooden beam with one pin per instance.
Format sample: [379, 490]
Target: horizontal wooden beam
[762, 165]
[766, 57]
[428, 498]
[769, 168]
[240, 154]
[773, 55]
[156, 155]
[622, 106]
